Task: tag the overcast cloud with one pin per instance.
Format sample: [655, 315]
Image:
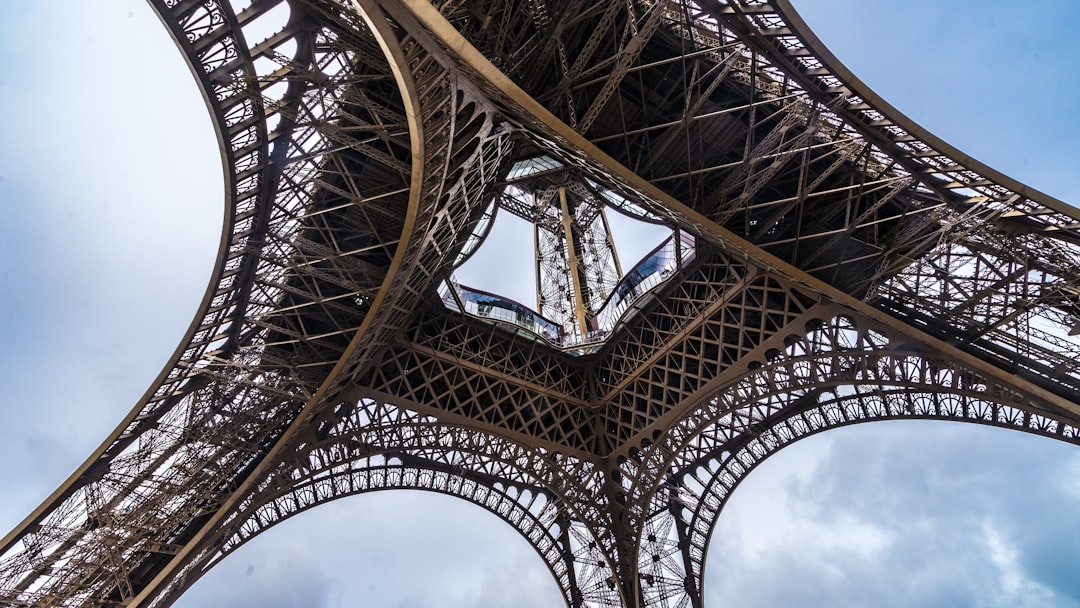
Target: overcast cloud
[110, 191]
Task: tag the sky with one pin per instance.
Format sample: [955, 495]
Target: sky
[111, 203]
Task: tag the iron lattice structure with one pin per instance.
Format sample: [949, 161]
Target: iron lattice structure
[846, 267]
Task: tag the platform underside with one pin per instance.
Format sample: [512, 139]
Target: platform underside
[847, 267]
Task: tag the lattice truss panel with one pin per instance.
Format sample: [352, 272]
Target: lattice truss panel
[702, 326]
[366, 142]
[573, 247]
[555, 296]
[1012, 299]
[509, 384]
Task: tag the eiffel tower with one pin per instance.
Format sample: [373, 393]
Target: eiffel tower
[830, 263]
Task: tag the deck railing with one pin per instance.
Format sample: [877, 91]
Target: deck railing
[654, 269]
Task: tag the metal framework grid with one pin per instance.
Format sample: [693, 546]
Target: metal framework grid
[848, 267]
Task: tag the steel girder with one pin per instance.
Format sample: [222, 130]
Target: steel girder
[850, 267]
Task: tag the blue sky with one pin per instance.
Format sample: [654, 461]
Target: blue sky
[110, 191]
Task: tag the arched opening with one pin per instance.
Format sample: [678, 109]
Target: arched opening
[390, 548]
[904, 513]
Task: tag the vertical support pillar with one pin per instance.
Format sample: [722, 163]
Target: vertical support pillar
[538, 262]
[580, 309]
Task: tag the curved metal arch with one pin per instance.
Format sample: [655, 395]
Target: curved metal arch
[835, 350]
[737, 465]
[801, 392]
[579, 554]
[378, 445]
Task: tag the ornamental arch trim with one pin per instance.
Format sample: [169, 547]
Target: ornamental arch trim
[375, 445]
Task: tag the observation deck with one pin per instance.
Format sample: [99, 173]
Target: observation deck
[630, 295]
